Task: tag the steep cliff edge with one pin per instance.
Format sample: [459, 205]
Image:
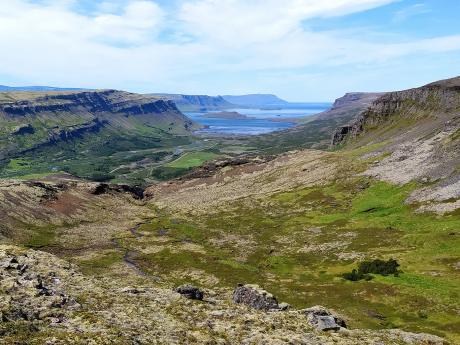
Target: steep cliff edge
[408, 108]
[197, 102]
[417, 132]
[37, 119]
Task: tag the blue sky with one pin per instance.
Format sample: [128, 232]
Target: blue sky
[301, 50]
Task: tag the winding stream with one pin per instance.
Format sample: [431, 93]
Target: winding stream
[128, 256]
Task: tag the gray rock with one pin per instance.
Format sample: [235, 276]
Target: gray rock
[255, 297]
[190, 292]
[323, 320]
[284, 306]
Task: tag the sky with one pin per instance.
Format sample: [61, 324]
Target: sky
[300, 50]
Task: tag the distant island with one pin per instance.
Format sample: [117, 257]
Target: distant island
[228, 115]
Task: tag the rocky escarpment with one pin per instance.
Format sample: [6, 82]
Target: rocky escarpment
[37, 119]
[354, 100]
[417, 132]
[409, 106]
[86, 103]
[197, 102]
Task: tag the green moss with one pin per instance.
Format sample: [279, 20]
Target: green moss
[101, 263]
[40, 236]
[298, 246]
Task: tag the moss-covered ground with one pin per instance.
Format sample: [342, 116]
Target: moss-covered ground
[297, 244]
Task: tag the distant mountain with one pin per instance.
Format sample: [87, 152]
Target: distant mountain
[196, 102]
[255, 100]
[4, 88]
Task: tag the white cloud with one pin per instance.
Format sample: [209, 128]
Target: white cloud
[260, 21]
[411, 11]
[197, 46]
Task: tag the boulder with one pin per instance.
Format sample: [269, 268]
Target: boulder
[284, 306]
[255, 297]
[323, 320]
[190, 292]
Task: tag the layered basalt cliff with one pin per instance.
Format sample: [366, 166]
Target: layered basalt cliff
[197, 102]
[354, 100]
[429, 101]
[37, 119]
[92, 102]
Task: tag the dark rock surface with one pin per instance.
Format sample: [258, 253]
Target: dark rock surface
[104, 188]
[190, 292]
[255, 297]
[26, 129]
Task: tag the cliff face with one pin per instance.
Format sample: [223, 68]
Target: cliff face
[197, 102]
[410, 106]
[36, 119]
[316, 133]
[354, 100]
[417, 133]
[92, 103]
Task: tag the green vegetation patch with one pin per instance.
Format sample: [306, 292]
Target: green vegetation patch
[297, 245]
[376, 266]
[100, 263]
[191, 159]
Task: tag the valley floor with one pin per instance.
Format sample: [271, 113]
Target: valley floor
[293, 225]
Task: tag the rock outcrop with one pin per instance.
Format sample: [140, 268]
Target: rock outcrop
[353, 100]
[410, 106]
[22, 130]
[105, 188]
[190, 292]
[30, 293]
[323, 319]
[46, 300]
[255, 297]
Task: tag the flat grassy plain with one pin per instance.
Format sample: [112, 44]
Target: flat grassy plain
[191, 159]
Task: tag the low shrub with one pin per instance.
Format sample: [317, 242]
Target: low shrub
[377, 266]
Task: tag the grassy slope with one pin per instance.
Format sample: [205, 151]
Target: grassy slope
[297, 243]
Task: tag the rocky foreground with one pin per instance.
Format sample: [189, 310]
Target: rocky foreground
[46, 300]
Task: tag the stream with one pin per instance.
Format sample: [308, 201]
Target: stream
[128, 256]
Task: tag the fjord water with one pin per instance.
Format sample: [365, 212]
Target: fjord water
[259, 121]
